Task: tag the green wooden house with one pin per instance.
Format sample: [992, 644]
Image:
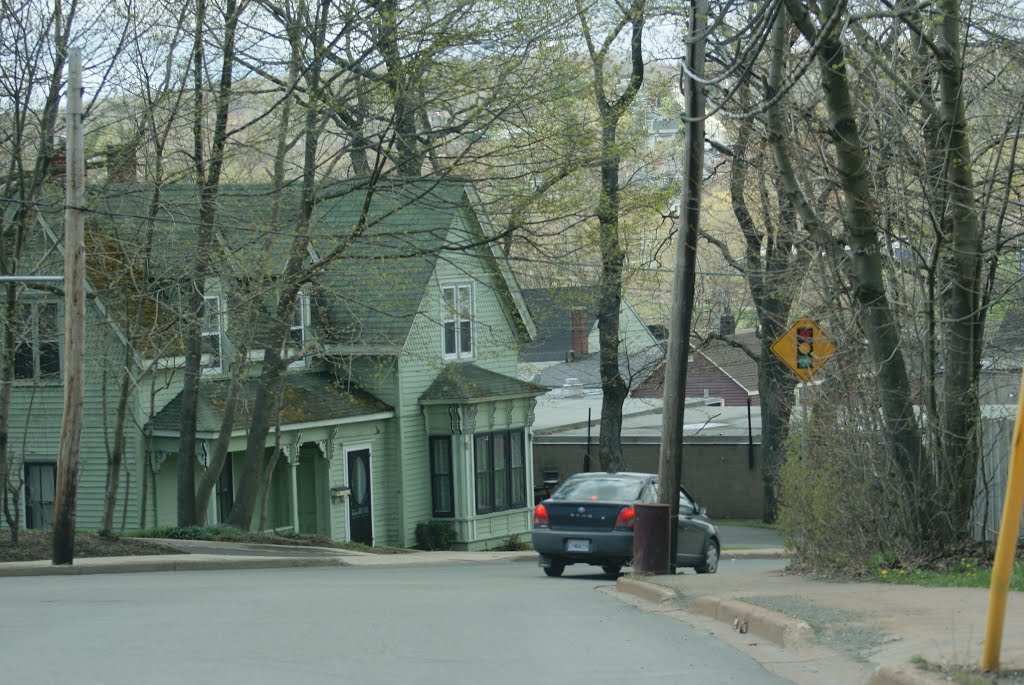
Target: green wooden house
[401, 403]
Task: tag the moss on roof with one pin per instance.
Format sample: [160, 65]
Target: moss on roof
[306, 398]
[463, 382]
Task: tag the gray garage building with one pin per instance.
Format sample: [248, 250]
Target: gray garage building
[721, 453]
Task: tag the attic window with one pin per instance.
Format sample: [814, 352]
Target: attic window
[297, 333]
[458, 323]
[212, 329]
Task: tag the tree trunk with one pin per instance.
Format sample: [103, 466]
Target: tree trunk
[880, 326]
[274, 366]
[6, 387]
[209, 189]
[613, 387]
[267, 385]
[409, 156]
[116, 457]
[962, 297]
[220, 455]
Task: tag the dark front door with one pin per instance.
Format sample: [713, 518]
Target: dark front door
[360, 511]
[40, 484]
[225, 491]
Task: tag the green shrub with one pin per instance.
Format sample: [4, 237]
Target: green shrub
[513, 543]
[190, 533]
[840, 507]
[435, 535]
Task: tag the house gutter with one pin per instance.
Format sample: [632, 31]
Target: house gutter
[480, 400]
[211, 435]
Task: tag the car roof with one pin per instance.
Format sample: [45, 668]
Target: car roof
[614, 474]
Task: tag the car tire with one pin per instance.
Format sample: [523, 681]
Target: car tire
[555, 569]
[612, 570]
[711, 554]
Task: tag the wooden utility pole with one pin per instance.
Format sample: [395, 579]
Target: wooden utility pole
[74, 320]
[683, 278]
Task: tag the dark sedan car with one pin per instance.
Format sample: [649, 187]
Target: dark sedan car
[589, 520]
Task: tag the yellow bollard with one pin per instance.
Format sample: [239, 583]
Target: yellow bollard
[1006, 547]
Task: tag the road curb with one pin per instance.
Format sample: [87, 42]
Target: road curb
[645, 590]
[766, 553]
[781, 629]
[182, 564]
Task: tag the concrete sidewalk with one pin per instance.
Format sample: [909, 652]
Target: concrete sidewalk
[876, 629]
[200, 556]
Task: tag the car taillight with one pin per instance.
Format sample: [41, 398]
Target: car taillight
[626, 518]
[540, 517]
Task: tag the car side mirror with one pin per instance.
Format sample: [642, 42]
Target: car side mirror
[703, 511]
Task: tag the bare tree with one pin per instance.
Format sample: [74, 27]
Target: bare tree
[611, 111]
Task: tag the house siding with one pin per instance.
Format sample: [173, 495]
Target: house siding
[379, 376]
[634, 336]
[400, 468]
[35, 420]
[495, 349]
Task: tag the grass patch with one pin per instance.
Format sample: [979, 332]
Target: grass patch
[969, 676]
[966, 573]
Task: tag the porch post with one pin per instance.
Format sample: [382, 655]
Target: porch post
[294, 471]
[292, 455]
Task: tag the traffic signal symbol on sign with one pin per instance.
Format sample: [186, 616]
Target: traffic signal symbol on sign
[804, 348]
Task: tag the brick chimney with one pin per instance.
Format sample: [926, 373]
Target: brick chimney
[580, 334]
[726, 323]
[59, 164]
[122, 164]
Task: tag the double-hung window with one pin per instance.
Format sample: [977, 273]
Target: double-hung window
[37, 342]
[442, 485]
[458, 321]
[500, 471]
[40, 489]
[297, 333]
[212, 333]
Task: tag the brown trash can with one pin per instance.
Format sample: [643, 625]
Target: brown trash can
[651, 543]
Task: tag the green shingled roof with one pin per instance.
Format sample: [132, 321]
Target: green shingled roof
[368, 297]
[306, 398]
[459, 383]
[375, 292]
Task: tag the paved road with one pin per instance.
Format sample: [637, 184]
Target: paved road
[751, 537]
[496, 623]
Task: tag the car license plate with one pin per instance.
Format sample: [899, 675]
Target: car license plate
[577, 545]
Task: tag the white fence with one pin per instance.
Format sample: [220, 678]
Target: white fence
[993, 469]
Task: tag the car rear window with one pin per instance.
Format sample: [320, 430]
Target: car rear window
[609, 489]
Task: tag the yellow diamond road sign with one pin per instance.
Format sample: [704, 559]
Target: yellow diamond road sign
[804, 348]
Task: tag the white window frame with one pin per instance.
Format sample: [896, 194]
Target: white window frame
[33, 339]
[214, 365]
[302, 308]
[456, 315]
